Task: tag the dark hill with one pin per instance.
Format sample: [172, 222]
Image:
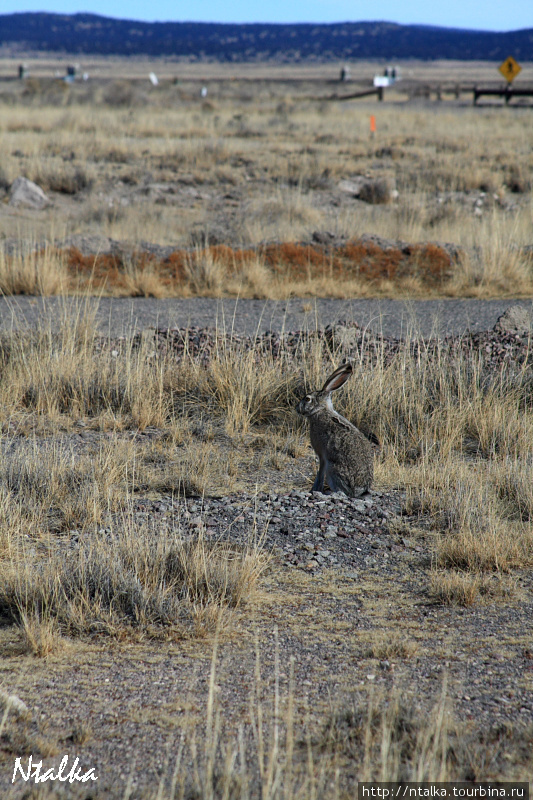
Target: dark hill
[91, 34]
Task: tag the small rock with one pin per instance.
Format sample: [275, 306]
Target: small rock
[324, 237]
[11, 701]
[26, 194]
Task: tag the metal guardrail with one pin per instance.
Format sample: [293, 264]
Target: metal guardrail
[438, 89]
[507, 92]
[378, 91]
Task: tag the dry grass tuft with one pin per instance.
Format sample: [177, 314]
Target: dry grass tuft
[121, 582]
[512, 482]
[249, 391]
[389, 646]
[392, 737]
[36, 273]
[464, 588]
[51, 490]
[41, 635]
[475, 534]
[56, 373]
[204, 273]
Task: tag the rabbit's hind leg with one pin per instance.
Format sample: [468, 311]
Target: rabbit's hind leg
[337, 484]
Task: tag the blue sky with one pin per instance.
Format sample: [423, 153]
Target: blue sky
[495, 15]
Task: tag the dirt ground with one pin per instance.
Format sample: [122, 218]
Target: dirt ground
[352, 635]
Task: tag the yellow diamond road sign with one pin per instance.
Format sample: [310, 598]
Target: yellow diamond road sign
[510, 69]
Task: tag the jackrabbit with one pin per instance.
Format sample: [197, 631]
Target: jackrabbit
[345, 454]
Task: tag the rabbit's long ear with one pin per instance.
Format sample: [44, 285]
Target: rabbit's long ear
[338, 378]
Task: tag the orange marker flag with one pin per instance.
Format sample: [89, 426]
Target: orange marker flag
[372, 124]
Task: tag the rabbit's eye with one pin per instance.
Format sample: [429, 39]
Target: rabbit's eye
[308, 398]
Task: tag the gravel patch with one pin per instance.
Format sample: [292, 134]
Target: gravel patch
[349, 339]
[311, 531]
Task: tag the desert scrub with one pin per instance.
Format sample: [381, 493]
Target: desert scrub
[48, 488]
[454, 431]
[56, 372]
[132, 581]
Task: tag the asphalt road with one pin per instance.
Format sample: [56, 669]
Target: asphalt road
[124, 316]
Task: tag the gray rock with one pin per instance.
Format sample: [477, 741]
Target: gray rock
[515, 318]
[324, 237]
[26, 194]
[12, 702]
[89, 244]
[352, 186]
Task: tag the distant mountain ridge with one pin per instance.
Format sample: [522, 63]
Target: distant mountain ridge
[91, 34]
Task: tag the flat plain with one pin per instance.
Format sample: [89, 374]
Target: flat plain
[258, 183]
[177, 609]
